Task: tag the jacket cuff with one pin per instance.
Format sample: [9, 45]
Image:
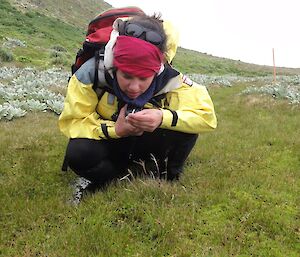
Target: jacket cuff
[108, 131]
[170, 118]
[112, 132]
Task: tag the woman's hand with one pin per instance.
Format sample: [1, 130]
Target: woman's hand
[145, 120]
[124, 128]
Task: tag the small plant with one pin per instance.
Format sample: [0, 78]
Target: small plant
[58, 48]
[9, 112]
[13, 42]
[30, 90]
[23, 59]
[58, 58]
[287, 87]
[6, 55]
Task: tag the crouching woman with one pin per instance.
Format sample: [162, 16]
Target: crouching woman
[149, 111]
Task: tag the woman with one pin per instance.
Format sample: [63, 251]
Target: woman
[149, 111]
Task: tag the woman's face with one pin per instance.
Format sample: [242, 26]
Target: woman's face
[131, 85]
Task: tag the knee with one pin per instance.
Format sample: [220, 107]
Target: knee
[185, 137]
[179, 139]
[80, 153]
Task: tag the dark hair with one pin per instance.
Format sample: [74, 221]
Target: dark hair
[154, 23]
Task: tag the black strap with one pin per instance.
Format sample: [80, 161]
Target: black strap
[99, 55]
[97, 59]
[105, 130]
[175, 118]
[108, 78]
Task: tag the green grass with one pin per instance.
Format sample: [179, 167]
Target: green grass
[239, 195]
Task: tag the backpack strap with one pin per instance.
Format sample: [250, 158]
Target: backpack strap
[102, 79]
[99, 82]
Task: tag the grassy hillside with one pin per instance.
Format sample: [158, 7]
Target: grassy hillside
[195, 62]
[52, 32]
[35, 39]
[75, 12]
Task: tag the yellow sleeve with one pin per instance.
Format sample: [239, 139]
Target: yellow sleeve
[189, 109]
[79, 118]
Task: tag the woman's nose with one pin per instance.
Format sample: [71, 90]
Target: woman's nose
[134, 84]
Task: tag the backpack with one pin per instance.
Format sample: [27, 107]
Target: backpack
[98, 33]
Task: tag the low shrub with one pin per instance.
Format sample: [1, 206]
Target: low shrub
[6, 55]
[59, 48]
[58, 58]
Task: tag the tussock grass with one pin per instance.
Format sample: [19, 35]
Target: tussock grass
[5, 55]
[239, 195]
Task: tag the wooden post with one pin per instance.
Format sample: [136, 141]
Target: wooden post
[274, 67]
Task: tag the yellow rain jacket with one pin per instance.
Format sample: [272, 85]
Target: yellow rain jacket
[186, 107]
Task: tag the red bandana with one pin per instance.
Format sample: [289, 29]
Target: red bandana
[137, 57]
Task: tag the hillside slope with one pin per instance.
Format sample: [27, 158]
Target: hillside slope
[51, 32]
[33, 39]
[189, 61]
[75, 12]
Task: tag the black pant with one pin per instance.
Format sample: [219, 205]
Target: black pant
[104, 160]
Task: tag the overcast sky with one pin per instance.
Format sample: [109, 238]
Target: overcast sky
[245, 30]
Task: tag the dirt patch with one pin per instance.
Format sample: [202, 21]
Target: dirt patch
[255, 100]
